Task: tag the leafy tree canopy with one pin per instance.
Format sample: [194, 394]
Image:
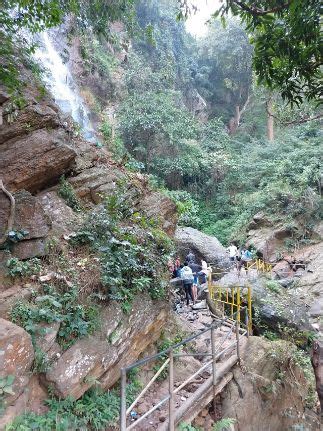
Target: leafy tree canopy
[286, 39]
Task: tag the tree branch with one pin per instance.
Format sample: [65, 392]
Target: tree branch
[255, 11]
[11, 217]
[288, 123]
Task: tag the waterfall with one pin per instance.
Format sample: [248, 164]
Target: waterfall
[60, 83]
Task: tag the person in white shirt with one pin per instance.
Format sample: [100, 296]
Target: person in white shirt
[233, 252]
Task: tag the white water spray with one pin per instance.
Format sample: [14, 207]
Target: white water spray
[62, 86]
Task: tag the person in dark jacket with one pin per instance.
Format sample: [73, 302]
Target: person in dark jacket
[190, 257]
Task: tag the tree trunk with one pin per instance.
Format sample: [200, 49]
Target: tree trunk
[270, 120]
[234, 121]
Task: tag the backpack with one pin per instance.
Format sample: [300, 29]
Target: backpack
[187, 275]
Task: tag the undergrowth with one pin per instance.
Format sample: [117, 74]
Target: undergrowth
[95, 410]
[23, 268]
[56, 305]
[132, 257]
[66, 192]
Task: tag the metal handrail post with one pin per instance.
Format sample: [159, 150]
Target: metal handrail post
[213, 364]
[247, 324]
[171, 415]
[237, 339]
[123, 401]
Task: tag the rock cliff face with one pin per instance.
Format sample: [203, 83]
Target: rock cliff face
[37, 147]
[268, 391]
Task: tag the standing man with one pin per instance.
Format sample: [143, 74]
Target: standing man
[233, 252]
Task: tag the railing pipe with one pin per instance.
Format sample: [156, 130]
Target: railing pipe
[123, 405]
[171, 415]
[237, 339]
[213, 366]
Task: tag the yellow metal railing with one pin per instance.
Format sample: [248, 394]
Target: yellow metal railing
[260, 265]
[234, 297]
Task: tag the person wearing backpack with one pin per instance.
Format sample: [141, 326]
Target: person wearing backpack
[187, 277]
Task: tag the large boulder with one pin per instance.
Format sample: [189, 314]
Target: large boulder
[119, 341]
[16, 356]
[203, 246]
[35, 142]
[271, 391]
[36, 160]
[268, 240]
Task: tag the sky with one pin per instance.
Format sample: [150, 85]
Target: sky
[196, 23]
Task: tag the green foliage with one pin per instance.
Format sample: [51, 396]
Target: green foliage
[187, 208]
[187, 427]
[52, 305]
[95, 410]
[224, 72]
[132, 258]
[15, 236]
[273, 286]
[5, 389]
[223, 424]
[95, 57]
[106, 130]
[286, 40]
[279, 179]
[6, 385]
[66, 192]
[23, 268]
[41, 361]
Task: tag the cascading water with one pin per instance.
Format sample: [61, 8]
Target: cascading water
[60, 83]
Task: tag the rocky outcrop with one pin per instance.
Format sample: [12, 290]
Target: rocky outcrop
[16, 357]
[203, 246]
[29, 217]
[119, 341]
[95, 182]
[36, 160]
[9, 296]
[63, 219]
[35, 147]
[276, 306]
[270, 391]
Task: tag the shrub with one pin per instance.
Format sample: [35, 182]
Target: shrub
[23, 268]
[187, 208]
[273, 286]
[76, 320]
[132, 258]
[95, 410]
[66, 192]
